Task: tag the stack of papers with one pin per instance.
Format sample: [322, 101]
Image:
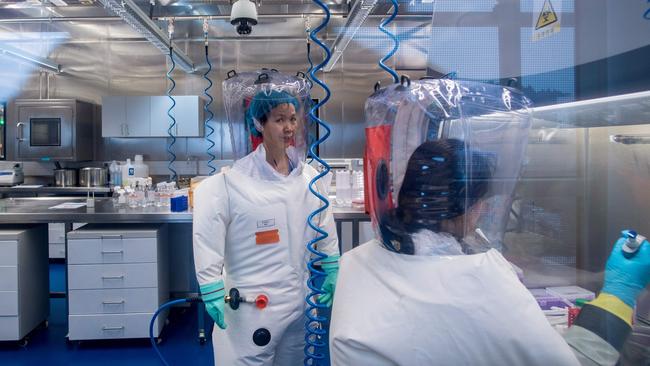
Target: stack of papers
[68, 206]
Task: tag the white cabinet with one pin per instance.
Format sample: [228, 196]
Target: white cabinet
[113, 116]
[137, 116]
[146, 116]
[117, 279]
[24, 280]
[188, 113]
[159, 118]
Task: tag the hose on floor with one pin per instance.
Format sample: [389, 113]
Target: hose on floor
[152, 324]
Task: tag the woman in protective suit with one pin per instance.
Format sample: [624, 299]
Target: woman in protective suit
[443, 158]
[250, 234]
[413, 298]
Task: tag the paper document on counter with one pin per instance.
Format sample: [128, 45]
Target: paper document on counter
[68, 206]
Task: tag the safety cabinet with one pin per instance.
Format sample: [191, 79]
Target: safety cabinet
[117, 279]
[24, 280]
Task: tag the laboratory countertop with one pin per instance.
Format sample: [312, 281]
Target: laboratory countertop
[41, 210]
[40, 189]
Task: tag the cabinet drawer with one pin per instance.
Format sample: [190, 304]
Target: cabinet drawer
[9, 330]
[112, 250]
[8, 303]
[110, 326]
[56, 233]
[113, 301]
[8, 253]
[102, 276]
[57, 250]
[8, 278]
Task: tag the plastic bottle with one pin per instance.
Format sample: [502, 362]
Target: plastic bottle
[141, 169]
[128, 173]
[140, 193]
[115, 174]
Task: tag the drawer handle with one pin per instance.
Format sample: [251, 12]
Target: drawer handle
[113, 302]
[112, 252]
[112, 328]
[111, 236]
[113, 277]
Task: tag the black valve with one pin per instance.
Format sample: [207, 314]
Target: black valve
[234, 298]
[262, 337]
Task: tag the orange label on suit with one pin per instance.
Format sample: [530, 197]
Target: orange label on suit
[267, 237]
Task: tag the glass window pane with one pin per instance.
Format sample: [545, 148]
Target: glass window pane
[45, 132]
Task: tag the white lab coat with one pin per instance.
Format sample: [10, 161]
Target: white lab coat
[412, 310]
[230, 208]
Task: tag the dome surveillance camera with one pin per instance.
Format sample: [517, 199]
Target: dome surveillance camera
[243, 16]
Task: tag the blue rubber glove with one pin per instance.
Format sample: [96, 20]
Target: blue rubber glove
[213, 297]
[626, 278]
[331, 267]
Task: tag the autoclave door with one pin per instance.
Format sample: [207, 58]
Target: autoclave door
[45, 132]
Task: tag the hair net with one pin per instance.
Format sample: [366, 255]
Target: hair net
[263, 103]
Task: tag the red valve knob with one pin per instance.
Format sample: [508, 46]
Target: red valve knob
[261, 301]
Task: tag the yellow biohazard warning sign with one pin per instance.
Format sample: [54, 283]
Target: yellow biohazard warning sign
[546, 18]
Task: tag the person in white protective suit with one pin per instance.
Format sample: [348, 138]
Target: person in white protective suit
[250, 234]
[431, 289]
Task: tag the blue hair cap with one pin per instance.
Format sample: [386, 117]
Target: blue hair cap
[263, 103]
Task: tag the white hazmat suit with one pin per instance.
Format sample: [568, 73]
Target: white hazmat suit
[250, 230]
[420, 310]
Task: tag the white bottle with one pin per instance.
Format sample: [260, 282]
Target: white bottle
[128, 173]
[141, 169]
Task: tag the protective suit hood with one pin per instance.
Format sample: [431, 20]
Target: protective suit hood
[442, 154]
[249, 96]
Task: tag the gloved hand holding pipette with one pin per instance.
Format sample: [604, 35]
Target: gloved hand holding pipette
[627, 271]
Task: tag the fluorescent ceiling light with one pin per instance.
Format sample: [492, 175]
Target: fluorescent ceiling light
[59, 2]
[34, 36]
[358, 15]
[138, 20]
[42, 62]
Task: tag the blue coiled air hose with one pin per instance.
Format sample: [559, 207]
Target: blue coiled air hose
[315, 331]
[173, 176]
[209, 114]
[382, 27]
[311, 85]
[165, 306]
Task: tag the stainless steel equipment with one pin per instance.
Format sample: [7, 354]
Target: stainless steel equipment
[11, 174]
[53, 129]
[93, 177]
[65, 177]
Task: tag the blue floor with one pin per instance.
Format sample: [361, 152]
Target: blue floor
[48, 346]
